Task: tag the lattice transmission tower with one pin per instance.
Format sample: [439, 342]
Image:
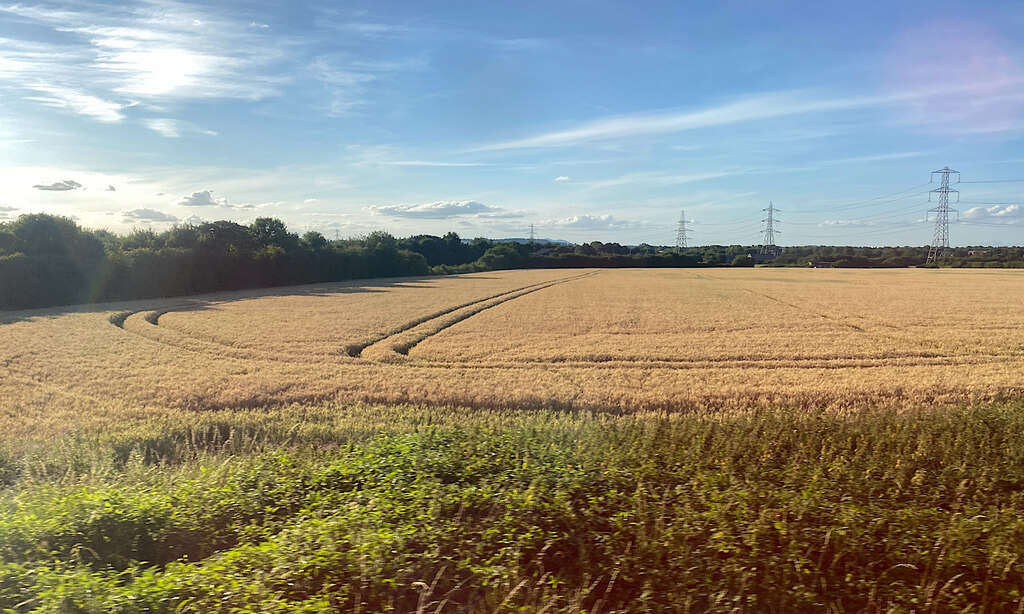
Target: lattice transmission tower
[768, 247]
[531, 234]
[940, 240]
[681, 232]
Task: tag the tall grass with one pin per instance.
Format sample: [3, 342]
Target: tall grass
[367, 508]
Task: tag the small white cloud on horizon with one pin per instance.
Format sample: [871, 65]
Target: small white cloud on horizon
[310, 201]
[59, 186]
[562, 178]
[1003, 214]
[203, 198]
[147, 215]
[442, 210]
[193, 220]
[591, 222]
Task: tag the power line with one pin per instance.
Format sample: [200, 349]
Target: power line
[860, 204]
[996, 224]
[972, 202]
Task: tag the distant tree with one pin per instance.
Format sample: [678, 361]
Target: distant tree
[60, 261]
[313, 240]
[268, 231]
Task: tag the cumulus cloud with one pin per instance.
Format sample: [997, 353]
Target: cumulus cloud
[1007, 214]
[310, 201]
[59, 186]
[194, 220]
[203, 198]
[147, 215]
[592, 222]
[5, 212]
[562, 178]
[443, 210]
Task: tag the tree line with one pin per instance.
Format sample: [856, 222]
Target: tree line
[48, 260]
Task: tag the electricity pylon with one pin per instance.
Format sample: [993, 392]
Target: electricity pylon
[682, 232]
[768, 246]
[940, 240]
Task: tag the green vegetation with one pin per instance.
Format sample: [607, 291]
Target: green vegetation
[369, 508]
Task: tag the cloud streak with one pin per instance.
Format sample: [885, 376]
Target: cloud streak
[174, 128]
[749, 109]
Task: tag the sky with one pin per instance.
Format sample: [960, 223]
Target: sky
[590, 120]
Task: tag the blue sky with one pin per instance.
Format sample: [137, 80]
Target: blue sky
[590, 120]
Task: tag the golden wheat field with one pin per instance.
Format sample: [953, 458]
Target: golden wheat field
[626, 340]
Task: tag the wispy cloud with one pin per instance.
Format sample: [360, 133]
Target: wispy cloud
[111, 55]
[877, 158]
[443, 210]
[432, 163]
[174, 128]
[752, 108]
[655, 178]
[78, 103]
[562, 178]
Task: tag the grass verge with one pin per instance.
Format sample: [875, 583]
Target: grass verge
[420, 509]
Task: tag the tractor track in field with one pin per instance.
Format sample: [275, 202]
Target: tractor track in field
[391, 344]
[146, 323]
